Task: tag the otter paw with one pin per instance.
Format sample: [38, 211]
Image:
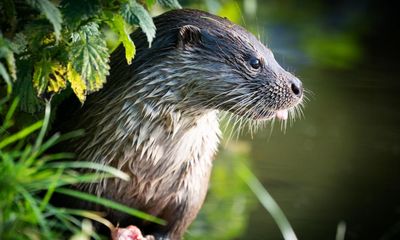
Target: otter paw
[129, 233]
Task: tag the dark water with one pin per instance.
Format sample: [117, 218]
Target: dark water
[341, 163]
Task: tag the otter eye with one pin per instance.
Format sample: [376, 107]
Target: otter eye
[255, 63]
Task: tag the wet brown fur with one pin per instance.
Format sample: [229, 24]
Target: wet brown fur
[156, 119]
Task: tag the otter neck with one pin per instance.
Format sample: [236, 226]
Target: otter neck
[159, 83]
[153, 139]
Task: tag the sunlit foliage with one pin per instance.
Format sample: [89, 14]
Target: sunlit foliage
[59, 45]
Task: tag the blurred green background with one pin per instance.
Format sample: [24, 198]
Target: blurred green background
[340, 163]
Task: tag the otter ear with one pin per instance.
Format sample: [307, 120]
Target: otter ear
[188, 35]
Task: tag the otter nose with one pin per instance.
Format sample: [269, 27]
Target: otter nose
[296, 86]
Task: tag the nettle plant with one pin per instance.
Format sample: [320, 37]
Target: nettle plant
[48, 46]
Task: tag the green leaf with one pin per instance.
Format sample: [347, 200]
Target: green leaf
[150, 3]
[77, 11]
[117, 24]
[49, 77]
[41, 75]
[134, 13]
[24, 89]
[169, 3]
[89, 57]
[57, 78]
[50, 11]
[111, 204]
[77, 84]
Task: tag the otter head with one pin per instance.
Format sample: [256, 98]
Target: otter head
[207, 62]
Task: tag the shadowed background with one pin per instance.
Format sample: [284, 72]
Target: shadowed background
[341, 162]
[336, 166]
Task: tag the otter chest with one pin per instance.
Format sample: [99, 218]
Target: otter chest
[172, 159]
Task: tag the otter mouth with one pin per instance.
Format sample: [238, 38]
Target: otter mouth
[260, 114]
[282, 114]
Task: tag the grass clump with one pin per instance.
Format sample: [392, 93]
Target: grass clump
[29, 176]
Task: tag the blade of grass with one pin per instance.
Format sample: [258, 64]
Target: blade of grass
[56, 156]
[62, 214]
[90, 165]
[43, 147]
[51, 189]
[43, 130]
[71, 222]
[69, 135]
[8, 119]
[91, 215]
[21, 134]
[341, 231]
[38, 214]
[25, 153]
[111, 204]
[267, 201]
[67, 180]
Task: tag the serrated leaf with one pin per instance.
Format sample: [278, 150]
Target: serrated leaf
[57, 77]
[48, 77]
[41, 73]
[89, 57]
[117, 24]
[77, 11]
[23, 88]
[85, 32]
[50, 11]
[169, 3]
[77, 84]
[134, 13]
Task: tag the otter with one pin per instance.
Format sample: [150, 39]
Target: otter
[157, 119]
